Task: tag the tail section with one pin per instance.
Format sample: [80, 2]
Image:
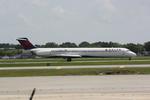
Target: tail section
[26, 44]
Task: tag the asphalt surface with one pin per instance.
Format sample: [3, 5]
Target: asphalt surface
[103, 84]
[74, 67]
[113, 87]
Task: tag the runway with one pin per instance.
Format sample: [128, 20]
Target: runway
[113, 87]
[53, 61]
[74, 67]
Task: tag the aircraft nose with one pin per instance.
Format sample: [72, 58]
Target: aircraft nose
[132, 54]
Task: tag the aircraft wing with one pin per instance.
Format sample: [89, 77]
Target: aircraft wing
[68, 55]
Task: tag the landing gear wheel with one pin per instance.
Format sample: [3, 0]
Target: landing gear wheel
[69, 59]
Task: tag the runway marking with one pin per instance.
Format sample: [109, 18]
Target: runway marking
[75, 67]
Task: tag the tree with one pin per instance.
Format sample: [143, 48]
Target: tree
[113, 44]
[68, 44]
[132, 47]
[51, 45]
[140, 48]
[18, 46]
[84, 44]
[96, 44]
[147, 46]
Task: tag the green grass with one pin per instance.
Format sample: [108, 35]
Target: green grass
[73, 63]
[66, 72]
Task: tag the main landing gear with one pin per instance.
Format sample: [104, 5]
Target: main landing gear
[69, 59]
[130, 58]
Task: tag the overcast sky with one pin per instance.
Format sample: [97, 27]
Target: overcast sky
[60, 21]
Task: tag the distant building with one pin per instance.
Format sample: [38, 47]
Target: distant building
[1, 57]
[146, 53]
[5, 57]
[26, 55]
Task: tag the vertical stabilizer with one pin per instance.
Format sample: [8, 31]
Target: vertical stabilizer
[26, 44]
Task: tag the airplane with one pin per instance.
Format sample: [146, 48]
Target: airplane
[69, 53]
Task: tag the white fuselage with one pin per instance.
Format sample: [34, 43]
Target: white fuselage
[83, 52]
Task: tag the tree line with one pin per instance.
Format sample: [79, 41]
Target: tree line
[11, 49]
